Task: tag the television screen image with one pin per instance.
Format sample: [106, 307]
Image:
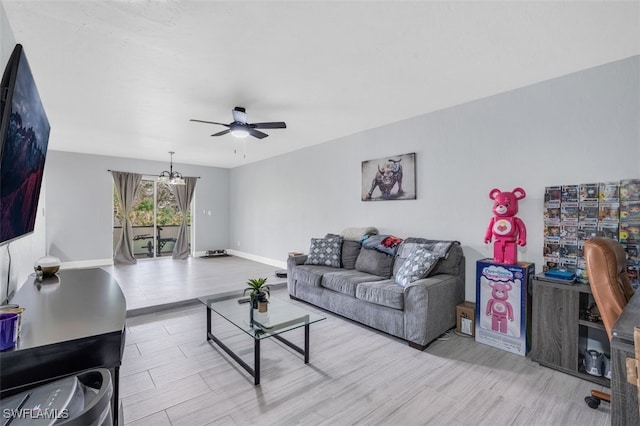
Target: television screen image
[24, 134]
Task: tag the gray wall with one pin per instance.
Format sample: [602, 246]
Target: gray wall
[80, 204]
[583, 127]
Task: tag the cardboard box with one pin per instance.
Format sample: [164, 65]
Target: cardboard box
[466, 318]
[503, 305]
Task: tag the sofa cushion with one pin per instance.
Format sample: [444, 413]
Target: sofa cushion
[310, 274]
[325, 251]
[417, 265]
[451, 263]
[374, 262]
[346, 280]
[385, 293]
[350, 252]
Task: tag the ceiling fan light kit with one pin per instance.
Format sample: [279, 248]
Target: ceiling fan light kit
[170, 177]
[241, 129]
[238, 130]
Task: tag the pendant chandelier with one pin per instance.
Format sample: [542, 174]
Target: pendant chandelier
[170, 177]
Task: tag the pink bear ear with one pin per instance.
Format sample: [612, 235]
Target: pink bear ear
[494, 193]
[519, 193]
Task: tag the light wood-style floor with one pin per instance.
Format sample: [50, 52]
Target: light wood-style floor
[164, 281]
[171, 376]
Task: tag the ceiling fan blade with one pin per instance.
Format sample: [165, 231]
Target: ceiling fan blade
[272, 125]
[257, 134]
[209, 122]
[224, 132]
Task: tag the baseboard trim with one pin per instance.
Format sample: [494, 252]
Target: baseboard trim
[83, 264]
[265, 260]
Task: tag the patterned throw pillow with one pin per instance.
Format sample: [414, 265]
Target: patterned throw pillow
[418, 264]
[325, 252]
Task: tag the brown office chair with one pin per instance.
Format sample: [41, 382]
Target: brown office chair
[607, 268]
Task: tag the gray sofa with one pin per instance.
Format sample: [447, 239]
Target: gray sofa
[362, 285]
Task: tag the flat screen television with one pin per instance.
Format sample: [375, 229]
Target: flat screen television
[24, 137]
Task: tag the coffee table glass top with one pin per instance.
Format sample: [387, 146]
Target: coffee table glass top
[281, 315]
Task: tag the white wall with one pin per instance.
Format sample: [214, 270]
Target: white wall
[17, 258]
[80, 204]
[583, 127]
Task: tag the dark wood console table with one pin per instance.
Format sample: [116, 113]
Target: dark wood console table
[71, 323]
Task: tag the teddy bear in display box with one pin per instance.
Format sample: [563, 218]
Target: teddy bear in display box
[505, 229]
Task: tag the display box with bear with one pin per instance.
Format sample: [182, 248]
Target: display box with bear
[503, 316]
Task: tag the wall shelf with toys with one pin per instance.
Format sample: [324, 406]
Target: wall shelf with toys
[575, 213]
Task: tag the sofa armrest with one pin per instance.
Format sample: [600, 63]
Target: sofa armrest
[430, 306]
[296, 260]
[292, 262]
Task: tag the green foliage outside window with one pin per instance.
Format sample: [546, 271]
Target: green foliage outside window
[141, 213]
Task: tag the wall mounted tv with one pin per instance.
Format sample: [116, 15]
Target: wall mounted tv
[24, 137]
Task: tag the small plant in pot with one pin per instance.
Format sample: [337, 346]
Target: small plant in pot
[258, 292]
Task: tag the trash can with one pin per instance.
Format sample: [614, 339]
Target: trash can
[81, 400]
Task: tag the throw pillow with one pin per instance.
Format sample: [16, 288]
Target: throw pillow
[418, 264]
[385, 243]
[450, 253]
[325, 252]
[350, 251]
[374, 262]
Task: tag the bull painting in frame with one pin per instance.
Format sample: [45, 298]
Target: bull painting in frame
[389, 178]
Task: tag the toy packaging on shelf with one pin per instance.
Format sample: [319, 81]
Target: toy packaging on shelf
[503, 305]
[630, 227]
[609, 192]
[552, 195]
[589, 192]
[629, 211]
[570, 194]
[630, 232]
[575, 213]
[630, 189]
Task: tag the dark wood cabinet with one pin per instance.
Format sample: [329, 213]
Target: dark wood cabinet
[72, 323]
[560, 332]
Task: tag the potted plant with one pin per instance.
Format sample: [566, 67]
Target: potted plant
[258, 292]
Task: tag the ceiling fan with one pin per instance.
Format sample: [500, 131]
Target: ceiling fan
[241, 129]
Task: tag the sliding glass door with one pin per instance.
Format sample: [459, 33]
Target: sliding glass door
[155, 218]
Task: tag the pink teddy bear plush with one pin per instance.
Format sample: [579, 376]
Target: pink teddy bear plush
[506, 229]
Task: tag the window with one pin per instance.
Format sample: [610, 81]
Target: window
[155, 219]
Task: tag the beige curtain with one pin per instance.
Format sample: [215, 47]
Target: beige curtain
[127, 185]
[184, 195]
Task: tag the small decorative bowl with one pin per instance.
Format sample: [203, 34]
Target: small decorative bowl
[49, 265]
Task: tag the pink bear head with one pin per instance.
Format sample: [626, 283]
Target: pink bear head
[499, 290]
[506, 203]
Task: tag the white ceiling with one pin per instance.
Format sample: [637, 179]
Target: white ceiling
[123, 78]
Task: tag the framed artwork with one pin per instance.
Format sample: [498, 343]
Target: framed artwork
[389, 178]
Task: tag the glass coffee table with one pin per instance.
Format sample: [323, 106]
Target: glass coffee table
[280, 317]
